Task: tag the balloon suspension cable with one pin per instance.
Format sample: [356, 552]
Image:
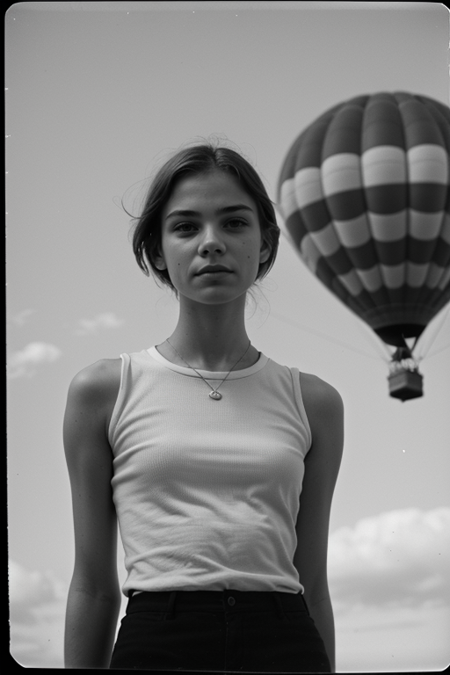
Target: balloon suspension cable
[324, 336]
[376, 343]
[421, 356]
[438, 351]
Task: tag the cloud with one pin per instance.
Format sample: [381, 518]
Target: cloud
[389, 580]
[37, 606]
[106, 320]
[28, 590]
[399, 639]
[398, 558]
[24, 362]
[21, 318]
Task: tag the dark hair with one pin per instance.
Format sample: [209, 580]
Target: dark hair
[195, 160]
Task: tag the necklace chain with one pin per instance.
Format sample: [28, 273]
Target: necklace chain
[213, 394]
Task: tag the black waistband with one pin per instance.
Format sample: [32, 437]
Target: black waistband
[226, 600]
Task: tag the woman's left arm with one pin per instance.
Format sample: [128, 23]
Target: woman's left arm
[324, 409]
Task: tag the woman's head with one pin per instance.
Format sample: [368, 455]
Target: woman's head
[200, 159]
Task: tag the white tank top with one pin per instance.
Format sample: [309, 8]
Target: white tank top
[207, 492]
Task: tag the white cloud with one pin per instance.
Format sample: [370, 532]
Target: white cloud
[37, 606]
[390, 587]
[399, 557]
[24, 362]
[21, 318]
[28, 589]
[106, 320]
[401, 639]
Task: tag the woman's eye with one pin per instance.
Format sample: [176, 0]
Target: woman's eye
[236, 222]
[184, 227]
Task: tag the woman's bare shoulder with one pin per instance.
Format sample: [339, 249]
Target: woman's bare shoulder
[318, 394]
[325, 412]
[100, 380]
[91, 397]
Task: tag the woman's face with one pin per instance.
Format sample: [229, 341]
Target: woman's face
[211, 242]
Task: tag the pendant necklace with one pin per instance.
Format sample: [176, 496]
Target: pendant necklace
[214, 394]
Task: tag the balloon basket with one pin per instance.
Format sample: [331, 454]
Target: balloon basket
[405, 384]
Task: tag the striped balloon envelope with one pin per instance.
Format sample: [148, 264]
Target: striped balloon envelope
[364, 194]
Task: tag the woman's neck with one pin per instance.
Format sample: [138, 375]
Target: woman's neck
[210, 338]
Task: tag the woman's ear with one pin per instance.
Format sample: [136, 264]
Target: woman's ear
[158, 260]
[265, 252]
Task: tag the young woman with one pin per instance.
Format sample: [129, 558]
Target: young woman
[218, 463]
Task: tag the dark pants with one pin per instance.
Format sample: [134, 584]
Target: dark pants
[219, 631]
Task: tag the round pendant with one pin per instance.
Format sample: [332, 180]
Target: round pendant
[215, 395]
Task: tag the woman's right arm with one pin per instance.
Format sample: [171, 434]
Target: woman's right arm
[94, 596]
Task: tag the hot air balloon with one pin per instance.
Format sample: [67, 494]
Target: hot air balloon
[364, 193]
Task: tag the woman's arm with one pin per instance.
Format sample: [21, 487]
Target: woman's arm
[324, 409]
[94, 597]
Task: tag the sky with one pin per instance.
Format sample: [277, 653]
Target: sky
[97, 96]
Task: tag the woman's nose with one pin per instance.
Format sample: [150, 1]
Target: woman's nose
[211, 242]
